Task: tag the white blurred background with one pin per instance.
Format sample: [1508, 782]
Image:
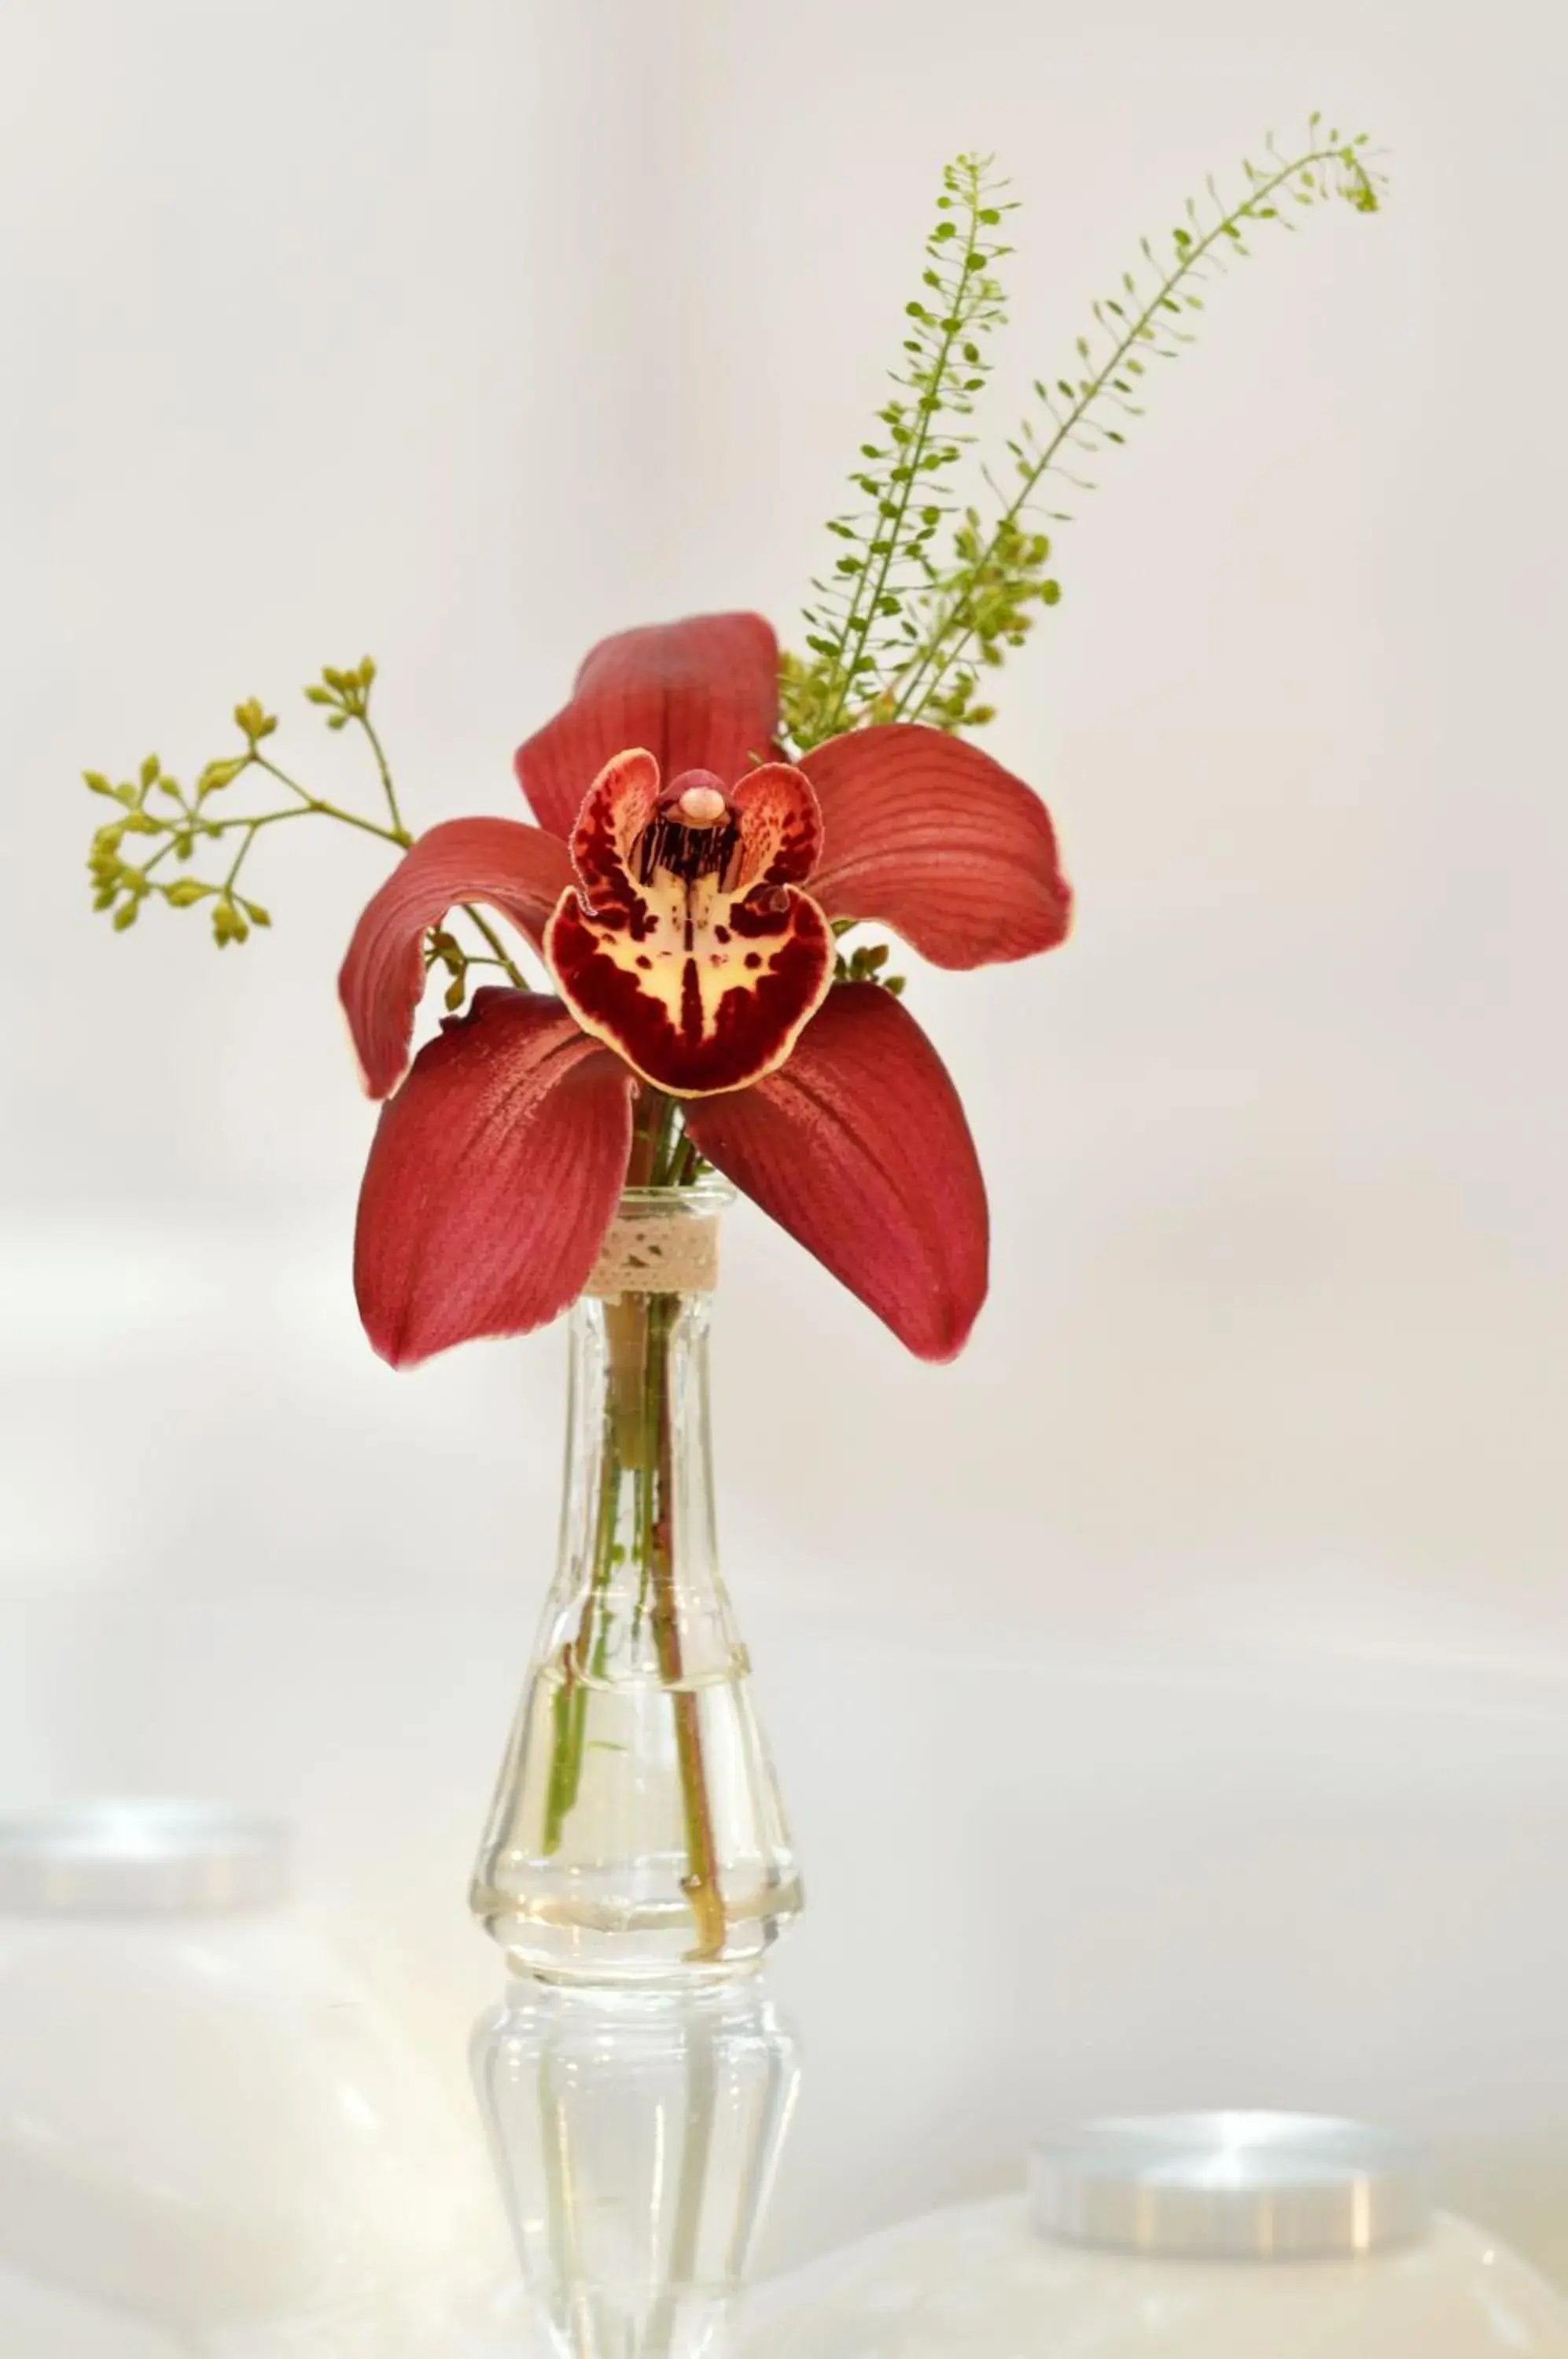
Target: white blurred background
[1172, 1697]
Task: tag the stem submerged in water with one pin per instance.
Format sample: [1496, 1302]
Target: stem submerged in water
[701, 1882]
[636, 1448]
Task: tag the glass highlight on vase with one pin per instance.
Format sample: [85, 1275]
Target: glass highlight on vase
[637, 1835]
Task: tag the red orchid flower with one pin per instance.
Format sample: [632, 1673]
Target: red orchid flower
[681, 893]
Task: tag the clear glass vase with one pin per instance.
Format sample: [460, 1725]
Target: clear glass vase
[637, 1836]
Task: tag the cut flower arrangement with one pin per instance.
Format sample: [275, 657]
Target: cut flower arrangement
[650, 1000]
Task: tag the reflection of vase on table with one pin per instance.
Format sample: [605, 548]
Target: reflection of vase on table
[635, 2140]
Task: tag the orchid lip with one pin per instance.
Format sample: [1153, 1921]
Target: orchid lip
[689, 947]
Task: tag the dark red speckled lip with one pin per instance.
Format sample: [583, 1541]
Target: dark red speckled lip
[689, 947]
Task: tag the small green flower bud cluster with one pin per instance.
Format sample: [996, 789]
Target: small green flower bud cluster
[254, 724]
[995, 586]
[167, 824]
[345, 694]
[171, 825]
[865, 962]
[444, 949]
[153, 805]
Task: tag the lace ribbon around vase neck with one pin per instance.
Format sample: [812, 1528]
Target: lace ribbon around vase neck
[651, 1253]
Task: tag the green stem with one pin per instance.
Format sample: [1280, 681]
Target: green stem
[381, 763]
[246, 840]
[701, 1882]
[398, 834]
[253, 828]
[651, 1407]
[589, 1650]
[669, 1143]
[858, 628]
[637, 1442]
[928, 674]
[569, 1722]
[647, 1128]
[161, 854]
[498, 947]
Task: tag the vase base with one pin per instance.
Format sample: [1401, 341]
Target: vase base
[712, 1973]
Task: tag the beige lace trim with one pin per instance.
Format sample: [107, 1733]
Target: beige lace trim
[661, 1256]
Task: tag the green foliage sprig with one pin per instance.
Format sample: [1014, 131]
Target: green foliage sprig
[866, 963]
[860, 628]
[961, 619]
[163, 821]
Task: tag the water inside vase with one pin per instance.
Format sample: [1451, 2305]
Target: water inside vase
[596, 1882]
[637, 1835]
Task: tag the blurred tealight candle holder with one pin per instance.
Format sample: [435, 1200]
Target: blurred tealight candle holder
[1231, 2236]
[210, 2129]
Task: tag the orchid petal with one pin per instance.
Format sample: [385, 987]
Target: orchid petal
[859, 1147]
[516, 869]
[621, 801]
[700, 695]
[930, 836]
[493, 1176]
[686, 950]
[781, 826]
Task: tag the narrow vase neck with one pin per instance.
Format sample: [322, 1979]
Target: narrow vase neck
[638, 1561]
